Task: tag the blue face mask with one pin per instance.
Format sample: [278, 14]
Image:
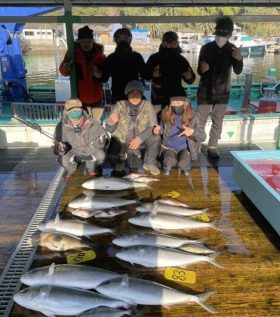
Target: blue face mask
[75, 114]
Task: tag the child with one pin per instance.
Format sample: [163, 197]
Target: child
[182, 135]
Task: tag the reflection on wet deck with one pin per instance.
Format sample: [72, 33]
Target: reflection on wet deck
[248, 286]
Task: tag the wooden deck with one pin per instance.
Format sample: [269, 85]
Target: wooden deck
[249, 284]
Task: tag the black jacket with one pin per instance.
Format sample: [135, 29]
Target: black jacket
[171, 64]
[122, 68]
[214, 85]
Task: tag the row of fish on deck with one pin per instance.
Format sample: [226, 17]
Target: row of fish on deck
[81, 290]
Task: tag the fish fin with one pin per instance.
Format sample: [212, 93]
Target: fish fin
[212, 260]
[213, 225]
[167, 307]
[125, 280]
[56, 220]
[201, 301]
[47, 313]
[51, 269]
[45, 291]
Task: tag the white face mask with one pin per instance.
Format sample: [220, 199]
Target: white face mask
[221, 40]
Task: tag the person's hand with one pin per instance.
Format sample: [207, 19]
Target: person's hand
[204, 67]
[61, 147]
[187, 131]
[134, 144]
[67, 66]
[97, 73]
[156, 129]
[236, 53]
[156, 72]
[188, 74]
[113, 118]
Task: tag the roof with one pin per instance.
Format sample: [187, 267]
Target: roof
[156, 3]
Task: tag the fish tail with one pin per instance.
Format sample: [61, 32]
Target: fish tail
[212, 260]
[201, 301]
[204, 210]
[213, 225]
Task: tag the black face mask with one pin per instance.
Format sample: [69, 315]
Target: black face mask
[170, 51]
[177, 109]
[123, 46]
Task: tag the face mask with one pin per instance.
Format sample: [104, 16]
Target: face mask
[221, 41]
[170, 50]
[75, 114]
[177, 109]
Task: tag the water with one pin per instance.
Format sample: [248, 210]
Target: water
[42, 70]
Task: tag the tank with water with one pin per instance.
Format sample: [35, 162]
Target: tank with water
[271, 90]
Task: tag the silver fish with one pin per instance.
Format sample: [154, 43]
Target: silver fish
[112, 183]
[143, 292]
[136, 177]
[55, 300]
[56, 241]
[172, 202]
[154, 239]
[105, 312]
[66, 275]
[110, 213]
[161, 221]
[73, 227]
[197, 249]
[84, 213]
[173, 210]
[99, 202]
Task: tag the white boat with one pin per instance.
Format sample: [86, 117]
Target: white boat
[190, 42]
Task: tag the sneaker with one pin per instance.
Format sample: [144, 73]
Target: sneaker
[151, 168]
[92, 174]
[166, 172]
[67, 176]
[213, 153]
[185, 172]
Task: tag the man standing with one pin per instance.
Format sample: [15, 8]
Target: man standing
[123, 65]
[215, 64]
[89, 60]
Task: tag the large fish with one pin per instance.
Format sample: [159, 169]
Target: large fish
[173, 210]
[143, 292]
[112, 183]
[143, 178]
[105, 312]
[150, 256]
[99, 202]
[55, 300]
[154, 239]
[56, 241]
[161, 221]
[66, 275]
[171, 202]
[73, 227]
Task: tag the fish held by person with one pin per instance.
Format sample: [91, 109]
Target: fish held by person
[67, 275]
[56, 300]
[143, 292]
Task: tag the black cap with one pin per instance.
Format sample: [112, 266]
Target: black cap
[169, 37]
[85, 33]
[224, 26]
[122, 31]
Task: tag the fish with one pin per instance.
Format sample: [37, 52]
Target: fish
[67, 275]
[161, 221]
[56, 300]
[73, 227]
[143, 178]
[196, 248]
[151, 256]
[56, 241]
[110, 213]
[85, 213]
[174, 210]
[143, 292]
[171, 202]
[99, 202]
[105, 312]
[112, 183]
[154, 239]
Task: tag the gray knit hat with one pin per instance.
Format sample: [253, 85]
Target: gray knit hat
[134, 85]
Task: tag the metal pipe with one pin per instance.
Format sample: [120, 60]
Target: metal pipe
[247, 92]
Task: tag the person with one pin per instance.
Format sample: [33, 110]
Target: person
[123, 65]
[89, 60]
[215, 63]
[167, 68]
[131, 122]
[79, 138]
[182, 135]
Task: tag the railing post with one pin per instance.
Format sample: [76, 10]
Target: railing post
[247, 92]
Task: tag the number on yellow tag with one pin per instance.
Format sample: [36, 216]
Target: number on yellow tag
[173, 194]
[82, 256]
[202, 217]
[180, 275]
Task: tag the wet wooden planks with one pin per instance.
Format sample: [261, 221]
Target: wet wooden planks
[248, 286]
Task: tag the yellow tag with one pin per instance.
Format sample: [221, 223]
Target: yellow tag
[81, 256]
[202, 217]
[172, 194]
[180, 275]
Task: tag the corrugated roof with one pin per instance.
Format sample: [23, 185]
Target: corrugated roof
[171, 3]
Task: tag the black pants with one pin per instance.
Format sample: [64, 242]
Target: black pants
[182, 159]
